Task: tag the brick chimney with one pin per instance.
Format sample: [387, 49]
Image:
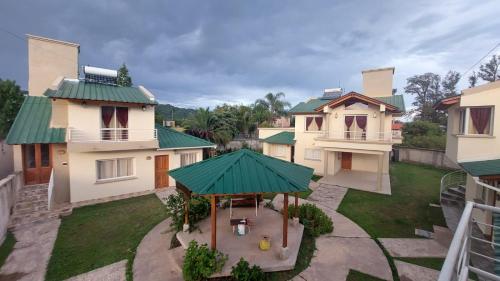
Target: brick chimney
[378, 82]
[48, 60]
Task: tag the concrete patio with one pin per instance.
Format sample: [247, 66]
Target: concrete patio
[361, 180]
[268, 222]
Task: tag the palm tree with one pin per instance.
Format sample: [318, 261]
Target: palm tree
[216, 126]
[274, 104]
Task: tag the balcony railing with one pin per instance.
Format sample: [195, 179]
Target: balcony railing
[465, 245]
[112, 135]
[361, 136]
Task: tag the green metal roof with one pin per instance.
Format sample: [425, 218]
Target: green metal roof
[395, 100]
[309, 106]
[243, 171]
[81, 90]
[32, 123]
[281, 138]
[482, 168]
[170, 138]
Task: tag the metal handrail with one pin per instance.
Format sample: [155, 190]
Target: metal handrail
[359, 135]
[457, 263]
[50, 191]
[111, 135]
[452, 179]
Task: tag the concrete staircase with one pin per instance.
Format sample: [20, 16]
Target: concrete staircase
[454, 196]
[32, 206]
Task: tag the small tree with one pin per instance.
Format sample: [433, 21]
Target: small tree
[201, 262]
[123, 78]
[489, 71]
[473, 79]
[11, 99]
[243, 272]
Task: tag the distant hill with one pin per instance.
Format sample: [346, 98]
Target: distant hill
[165, 111]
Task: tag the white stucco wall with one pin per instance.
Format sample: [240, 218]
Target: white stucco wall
[6, 159]
[83, 174]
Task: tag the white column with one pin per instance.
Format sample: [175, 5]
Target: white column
[466, 124]
[379, 171]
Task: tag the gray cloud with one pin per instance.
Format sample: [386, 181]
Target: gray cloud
[200, 53]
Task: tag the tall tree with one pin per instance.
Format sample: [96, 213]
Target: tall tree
[489, 71]
[11, 99]
[123, 78]
[473, 79]
[274, 104]
[426, 89]
[449, 83]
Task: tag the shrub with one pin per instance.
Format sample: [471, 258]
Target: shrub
[315, 221]
[243, 272]
[199, 208]
[424, 134]
[201, 262]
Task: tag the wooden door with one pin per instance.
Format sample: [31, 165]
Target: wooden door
[161, 171]
[37, 163]
[346, 160]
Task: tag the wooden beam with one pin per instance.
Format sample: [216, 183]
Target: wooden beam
[285, 220]
[213, 219]
[296, 205]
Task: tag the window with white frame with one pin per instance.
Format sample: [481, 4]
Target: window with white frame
[355, 126]
[312, 154]
[114, 168]
[188, 158]
[279, 150]
[476, 120]
[314, 123]
[461, 121]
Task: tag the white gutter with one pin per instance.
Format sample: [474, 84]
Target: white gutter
[193, 147]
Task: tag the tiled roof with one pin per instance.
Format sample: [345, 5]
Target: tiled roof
[243, 171]
[170, 138]
[32, 123]
[309, 106]
[281, 138]
[395, 100]
[482, 168]
[81, 90]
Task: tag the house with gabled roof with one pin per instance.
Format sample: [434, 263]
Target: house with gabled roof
[89, 137]
[347, 138]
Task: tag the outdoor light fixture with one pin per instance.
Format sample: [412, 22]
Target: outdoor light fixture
[336, 115]
[143, 108]
[375, 115]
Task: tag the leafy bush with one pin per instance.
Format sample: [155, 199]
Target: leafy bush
[424, 134]
[243, 272]
[199, 208]
[315, 221]
[201, 262]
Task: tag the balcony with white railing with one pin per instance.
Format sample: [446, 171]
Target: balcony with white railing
[112, 139]
[470, 252]
[360, 136]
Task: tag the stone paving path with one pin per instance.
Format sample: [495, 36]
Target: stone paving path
[112, 272]
[413, 272]
[348, 247]
[153, 260]
[28, 261]
[414, 247]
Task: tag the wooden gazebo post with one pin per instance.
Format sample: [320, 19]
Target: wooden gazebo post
[284, 249]
[187, 199]
[213, 219]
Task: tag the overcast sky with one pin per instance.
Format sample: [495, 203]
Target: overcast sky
[202, 53]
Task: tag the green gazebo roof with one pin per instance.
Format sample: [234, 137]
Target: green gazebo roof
[482, 168]
[243, 172]
[281, 138]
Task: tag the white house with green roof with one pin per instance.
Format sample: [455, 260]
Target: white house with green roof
[347, 138]
[88, 137]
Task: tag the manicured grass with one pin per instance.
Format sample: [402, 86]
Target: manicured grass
[432, 263]
[359, 276]
[316, 177]
[6, 247]
[99, 235]
[397, 216]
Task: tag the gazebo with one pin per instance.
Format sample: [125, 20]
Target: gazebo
[243, 172]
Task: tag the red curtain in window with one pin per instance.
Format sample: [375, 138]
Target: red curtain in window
[361, 121]
[309, 120]
[319, 122]
[107, 114]
[480, 117]
[122, 116]
[348, 123]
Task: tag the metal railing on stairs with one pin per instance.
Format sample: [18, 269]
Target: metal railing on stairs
[50, 191]
[457, 266]
[452, 179]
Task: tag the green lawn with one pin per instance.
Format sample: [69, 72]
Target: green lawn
[359, 276]
[99, 235]
[6, 247]
[397, 216]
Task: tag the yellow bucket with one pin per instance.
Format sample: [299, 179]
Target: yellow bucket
[265, 243]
